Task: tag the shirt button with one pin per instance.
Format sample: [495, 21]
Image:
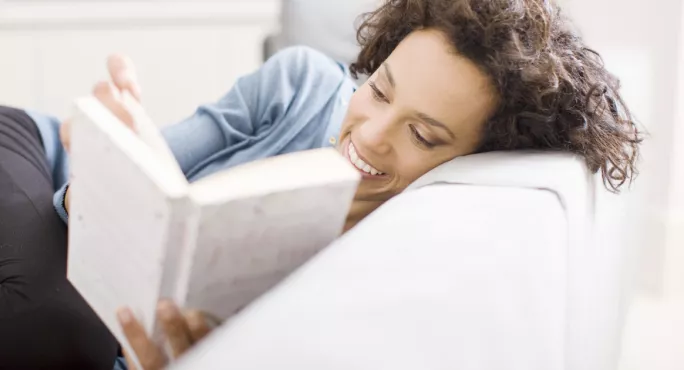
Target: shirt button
[332, 140]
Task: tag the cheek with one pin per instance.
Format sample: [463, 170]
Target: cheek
[359, 108]
[413, 162]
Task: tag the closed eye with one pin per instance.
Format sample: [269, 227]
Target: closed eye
[377, 94]
[420, 139]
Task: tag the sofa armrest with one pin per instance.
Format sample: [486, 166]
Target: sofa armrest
[441, 277]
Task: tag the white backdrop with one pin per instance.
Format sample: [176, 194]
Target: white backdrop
[643, 43]
[187, 52]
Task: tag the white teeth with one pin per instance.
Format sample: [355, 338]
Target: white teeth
[360, 164]
[353, 156]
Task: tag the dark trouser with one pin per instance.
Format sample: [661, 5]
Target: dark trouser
[44, 322]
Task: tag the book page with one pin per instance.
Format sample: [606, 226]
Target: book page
[247, 245]
[308, 168]
[149, 133]
[126, 219]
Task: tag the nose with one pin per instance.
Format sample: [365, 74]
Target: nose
[376, 134]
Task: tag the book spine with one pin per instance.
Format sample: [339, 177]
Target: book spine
[186, 255]
[180, 243]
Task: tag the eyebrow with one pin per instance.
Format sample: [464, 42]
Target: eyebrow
[390, 78]
[435, 123]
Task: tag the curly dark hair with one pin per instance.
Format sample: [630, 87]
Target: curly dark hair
[554, 92]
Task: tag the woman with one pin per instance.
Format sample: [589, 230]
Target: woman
[447, 78]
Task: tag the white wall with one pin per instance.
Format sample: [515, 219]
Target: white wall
[674, 265]
[642, 43]
[187, 52]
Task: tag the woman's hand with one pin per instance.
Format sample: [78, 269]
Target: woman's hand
[182, 330]
[123, 78]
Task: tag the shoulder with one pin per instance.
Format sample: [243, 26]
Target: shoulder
[307, 65]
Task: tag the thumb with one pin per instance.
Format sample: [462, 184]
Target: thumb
[123, 74]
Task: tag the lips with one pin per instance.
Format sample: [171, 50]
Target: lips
[360, 164]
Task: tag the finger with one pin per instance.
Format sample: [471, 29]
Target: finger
[105, 92]
[175, 327]
[149, 355]
[130, 364]
[197, 324]
[122, 72]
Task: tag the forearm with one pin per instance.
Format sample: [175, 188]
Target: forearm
[194, 140]
[254, 104]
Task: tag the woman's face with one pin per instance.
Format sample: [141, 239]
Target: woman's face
[426, 105]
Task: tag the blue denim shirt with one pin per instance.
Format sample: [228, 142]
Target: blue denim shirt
[296, 101]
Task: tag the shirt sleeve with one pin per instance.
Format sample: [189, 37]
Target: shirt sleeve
[57, 158]
[293, 80]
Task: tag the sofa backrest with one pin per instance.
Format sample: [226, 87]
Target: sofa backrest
[326, 25]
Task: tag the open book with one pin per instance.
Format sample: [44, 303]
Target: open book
[138, 231]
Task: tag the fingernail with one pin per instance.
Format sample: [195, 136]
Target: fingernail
[125, 315]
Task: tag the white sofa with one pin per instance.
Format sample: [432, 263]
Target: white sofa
[485, 263]
[333, 20]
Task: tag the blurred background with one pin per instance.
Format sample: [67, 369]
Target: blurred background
[190, 52]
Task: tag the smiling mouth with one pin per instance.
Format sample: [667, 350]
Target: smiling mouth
[360, 164]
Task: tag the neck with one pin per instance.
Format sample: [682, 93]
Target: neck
[358, 211]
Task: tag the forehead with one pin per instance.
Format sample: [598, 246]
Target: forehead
[432, 78]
